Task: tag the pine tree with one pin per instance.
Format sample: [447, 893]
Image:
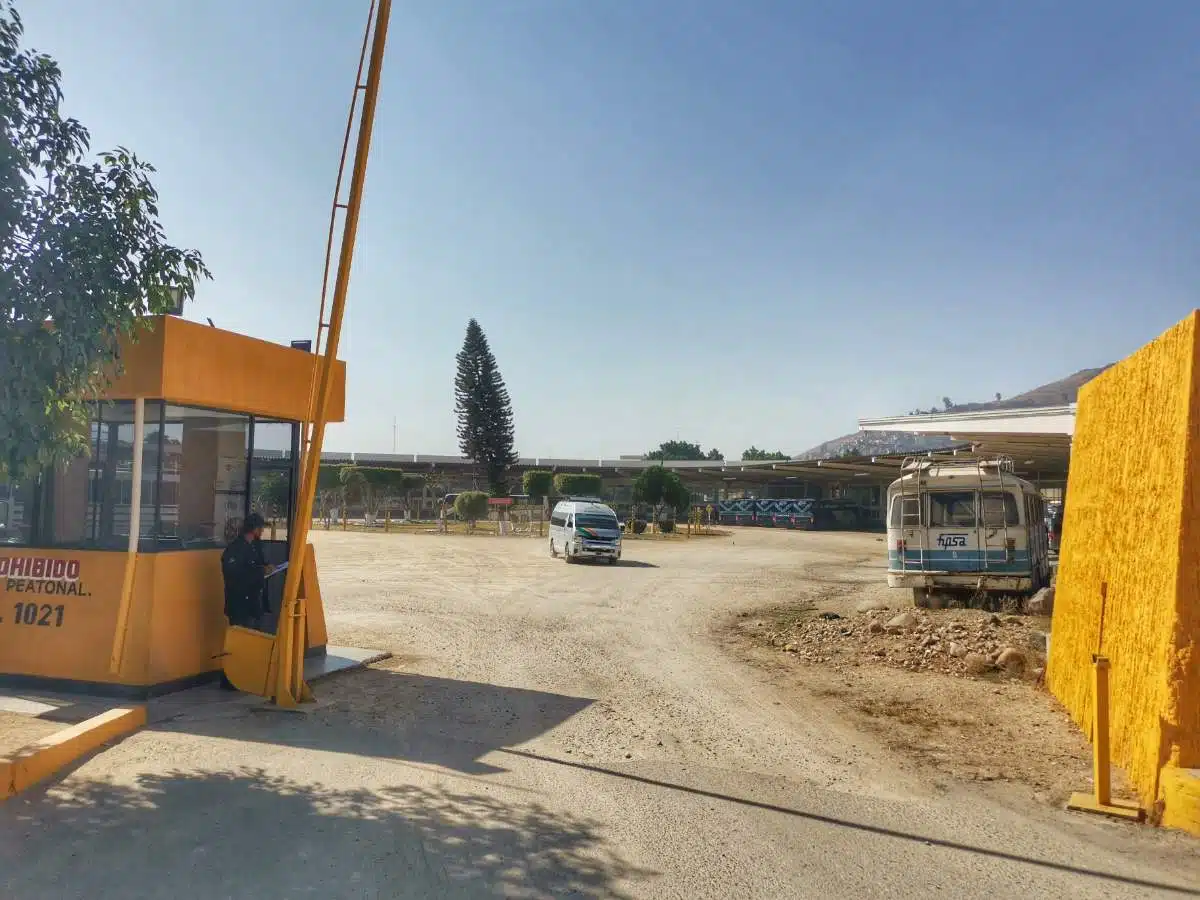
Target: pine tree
[485, 420]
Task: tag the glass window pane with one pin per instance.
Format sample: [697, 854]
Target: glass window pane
[204, 477]
[999, 510]
[105, 484]
[271, 475]
[906, 512]
[16, 512]
[952, 509]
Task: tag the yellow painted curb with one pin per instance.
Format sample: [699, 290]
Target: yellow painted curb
[43, 758]
[1180, 792]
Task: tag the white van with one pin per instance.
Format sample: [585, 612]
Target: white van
[582, 527]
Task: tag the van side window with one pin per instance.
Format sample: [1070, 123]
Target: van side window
[558, 519]
[999, 510]
[952, 509]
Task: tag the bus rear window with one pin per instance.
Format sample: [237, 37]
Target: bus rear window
[952, 509]
[999, 510]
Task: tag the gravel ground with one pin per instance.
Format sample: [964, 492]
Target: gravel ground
[547, 730]
[18, 729]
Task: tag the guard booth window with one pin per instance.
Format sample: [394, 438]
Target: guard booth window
[16, 512]
[89, 502]
[271, 483]
[206, 455]
[200, 477]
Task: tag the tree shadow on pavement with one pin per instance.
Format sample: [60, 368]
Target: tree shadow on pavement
[376, 712]
[249, 834]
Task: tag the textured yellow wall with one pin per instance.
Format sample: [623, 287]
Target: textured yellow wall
[1133, 524]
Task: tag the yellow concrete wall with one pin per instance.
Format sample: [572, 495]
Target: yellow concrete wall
[1131, 524]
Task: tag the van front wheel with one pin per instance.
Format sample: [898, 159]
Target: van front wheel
[553, 551]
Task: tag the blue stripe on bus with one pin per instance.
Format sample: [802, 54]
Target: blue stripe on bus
[992, 555]
[960, 561]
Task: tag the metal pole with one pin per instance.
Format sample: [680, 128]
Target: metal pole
[1101, 758]
[117, 658]
[289, 689]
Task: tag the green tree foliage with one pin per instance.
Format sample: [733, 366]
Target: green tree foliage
[681, 450]
[271, 495]
[485, 419]
[471, 506]
[756, 454]
[661, 487]
[538, 483]
[715, 455]
[567, 484]
[82, 259]
[376, 486]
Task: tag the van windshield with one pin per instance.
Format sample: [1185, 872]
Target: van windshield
[596, 520]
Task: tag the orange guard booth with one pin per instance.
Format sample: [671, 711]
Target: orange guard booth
[110, 582]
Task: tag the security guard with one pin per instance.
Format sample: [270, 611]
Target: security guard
[245, 573]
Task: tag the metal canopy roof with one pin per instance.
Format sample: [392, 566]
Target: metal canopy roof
[1037, 439]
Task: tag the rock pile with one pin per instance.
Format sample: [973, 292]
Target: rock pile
[953, 642]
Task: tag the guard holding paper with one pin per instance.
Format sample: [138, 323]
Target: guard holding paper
[245, 572]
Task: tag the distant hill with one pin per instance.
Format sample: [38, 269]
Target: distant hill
[1056, 393]
[866, 443]
[876, 443]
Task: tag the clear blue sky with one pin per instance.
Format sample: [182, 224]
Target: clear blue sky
[732, 222]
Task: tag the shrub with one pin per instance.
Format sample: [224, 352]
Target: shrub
[538, 483]
[471, 506]
[570, 485]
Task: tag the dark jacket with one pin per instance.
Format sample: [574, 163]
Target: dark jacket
[242, 566]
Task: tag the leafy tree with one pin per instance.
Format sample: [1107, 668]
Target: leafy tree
[329, 491]
[82, 259]
[715, 454]
[660, 487]
[538, 483]
[271, 495]
[376, 487]
[567, 484]
[756, 454]
[471, 506]
[948, 403]
[681, 450]
[485, 419]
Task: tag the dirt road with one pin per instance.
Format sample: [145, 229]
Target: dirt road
[548, 730]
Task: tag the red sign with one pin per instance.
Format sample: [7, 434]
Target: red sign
[500, 501]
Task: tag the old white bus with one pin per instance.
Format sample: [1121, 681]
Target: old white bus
[966, 529]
